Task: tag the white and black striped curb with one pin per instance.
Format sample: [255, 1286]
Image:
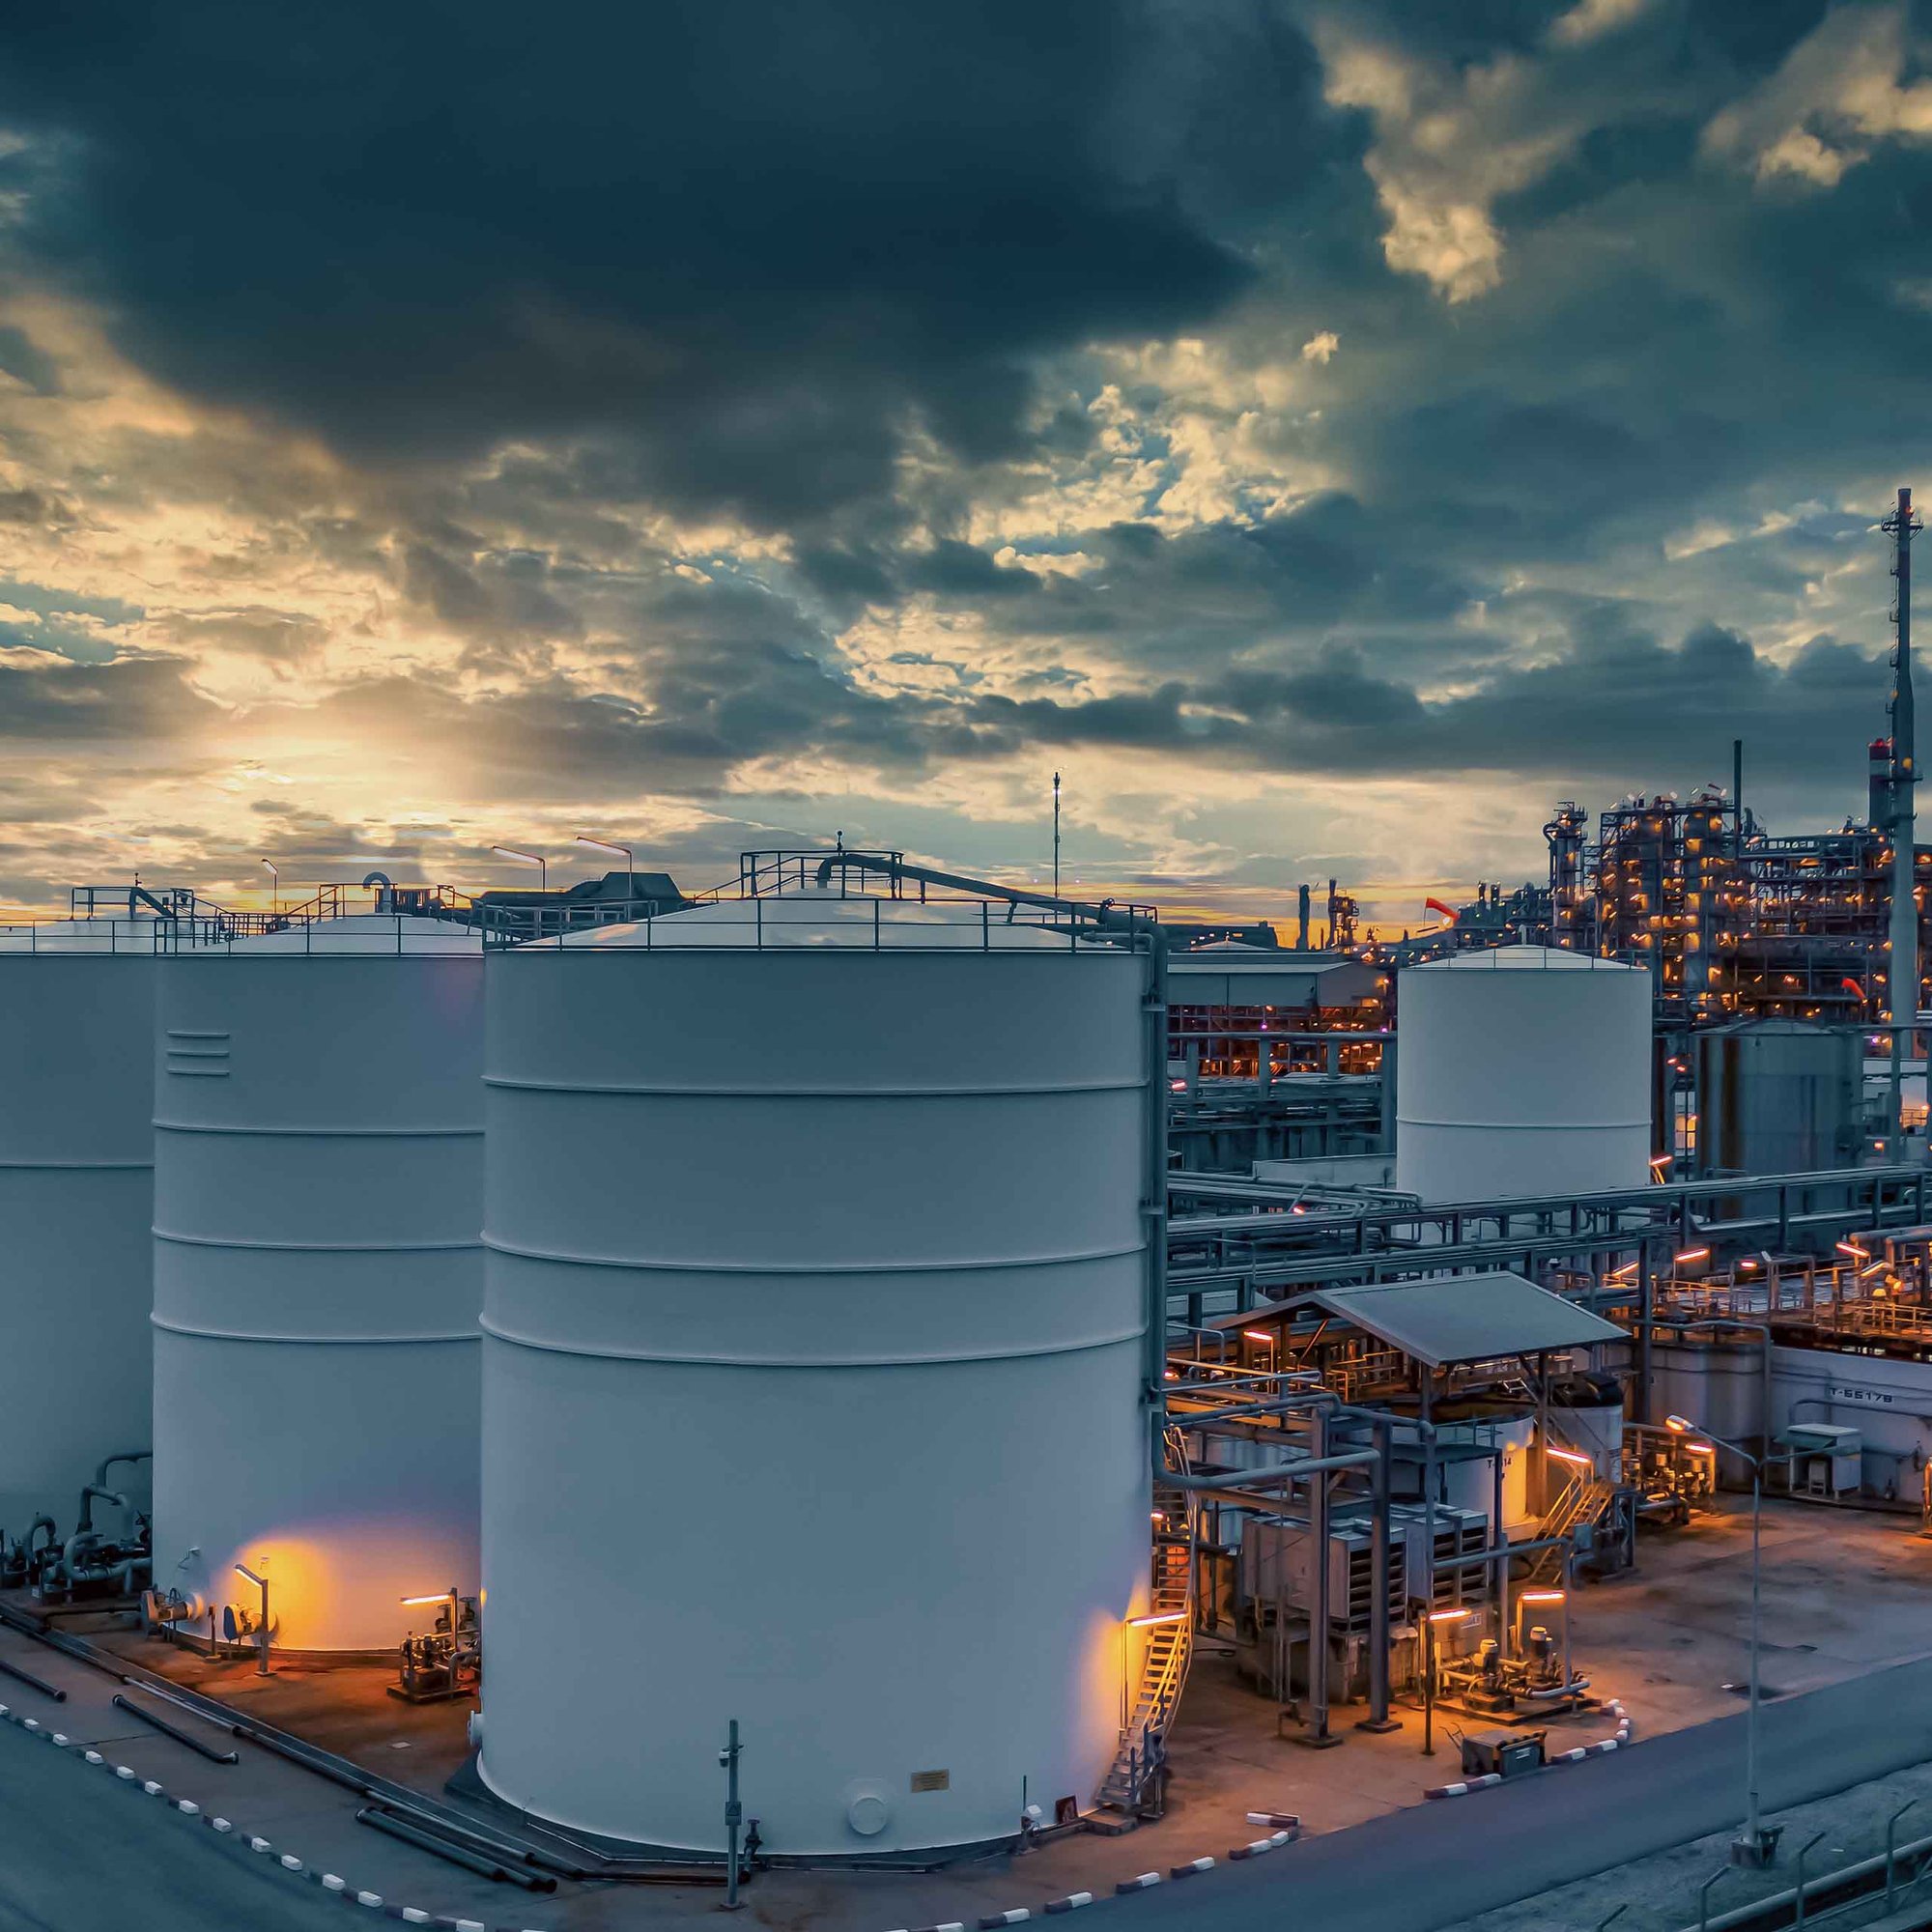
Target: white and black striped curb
[368, 1901]
[1287, 1829]
[1575, 1755]
[1273, 1842]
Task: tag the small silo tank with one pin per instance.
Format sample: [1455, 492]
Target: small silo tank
[815, 1276]
[1521, 1071]
[318, 1190]
[76, 1193]
[1777, 1096]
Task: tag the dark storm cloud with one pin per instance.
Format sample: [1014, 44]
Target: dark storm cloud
[130, 698]
[1570, 721]
[747, 242]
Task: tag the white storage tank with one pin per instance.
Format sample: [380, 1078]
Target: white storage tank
[318, 1193]
[76, 1193]
[1523, 1070]
[812, 1372]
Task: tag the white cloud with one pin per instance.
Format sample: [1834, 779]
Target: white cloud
[1592, 19]
[1449, 141]
[1836, 96]
[1320, 348]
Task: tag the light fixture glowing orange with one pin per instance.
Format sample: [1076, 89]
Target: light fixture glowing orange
[1852, 1248]
[1567, 1455]
[1543, 1597]
[1165, 1617]
[1695, 1255]
[1449, 1617]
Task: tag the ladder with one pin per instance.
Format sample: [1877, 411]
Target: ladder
[1580, 1503]
[1134, 1782]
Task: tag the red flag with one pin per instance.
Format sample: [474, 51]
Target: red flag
[1437, 905]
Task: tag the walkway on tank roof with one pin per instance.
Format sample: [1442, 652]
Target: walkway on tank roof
[1453, 1319]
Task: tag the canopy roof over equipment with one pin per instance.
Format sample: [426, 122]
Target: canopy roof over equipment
[1451, 1318]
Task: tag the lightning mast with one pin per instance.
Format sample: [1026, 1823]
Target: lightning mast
[1902, 526]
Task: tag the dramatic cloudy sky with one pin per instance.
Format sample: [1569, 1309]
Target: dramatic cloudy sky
[1328, 433]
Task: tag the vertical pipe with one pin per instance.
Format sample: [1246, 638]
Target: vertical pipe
[1319, 1617]
[1903, 929]
[1378, 1582]
[1646, 1327]
[1500, 1582]
[735, 1814]
[1738, 792]
[1301, 919]
[1752, 1837]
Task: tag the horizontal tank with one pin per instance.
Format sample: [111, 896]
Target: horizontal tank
[318, 1192]
[817, 1268]
[1523, 1070]
[76, 1192]
[1777, 1096]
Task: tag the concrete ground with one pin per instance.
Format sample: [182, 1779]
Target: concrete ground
[1845, 1593]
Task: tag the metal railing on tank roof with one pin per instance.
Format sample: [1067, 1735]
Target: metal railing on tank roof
[778, 892]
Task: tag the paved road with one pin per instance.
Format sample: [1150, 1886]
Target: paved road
[1438, 1864]
[77, 1855]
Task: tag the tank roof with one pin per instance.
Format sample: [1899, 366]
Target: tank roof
[827, 919]
[357, 934]
[136, 937]
[1522, 960]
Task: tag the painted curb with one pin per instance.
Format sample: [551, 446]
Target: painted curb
[327, 1882]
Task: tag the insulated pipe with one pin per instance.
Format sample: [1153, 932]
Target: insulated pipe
[1318, 1622]
[128, 1456]
[1106, 915]
[85, 1526]
[1269, 1474]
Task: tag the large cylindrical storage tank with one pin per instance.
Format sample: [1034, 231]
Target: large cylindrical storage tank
[815, 1274]
[1777, 1096]
[318, 1205]
[77, 1194]
[1523, 1070]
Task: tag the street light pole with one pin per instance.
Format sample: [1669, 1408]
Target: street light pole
[1754, 1847]
[535, 858]
[623, 852]
[275, 884]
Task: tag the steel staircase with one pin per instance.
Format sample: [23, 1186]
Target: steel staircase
[1580, 1503]
[1135, 1782]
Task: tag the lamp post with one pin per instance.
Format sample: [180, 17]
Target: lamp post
[1755, 1847]
[623, 852]
[274, 886]
[1429, 1624]
[535, 858]
[262, 1582]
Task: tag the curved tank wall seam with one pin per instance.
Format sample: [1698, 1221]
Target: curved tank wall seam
[180, 1241]
[727, 1359]
[1070, 1259]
